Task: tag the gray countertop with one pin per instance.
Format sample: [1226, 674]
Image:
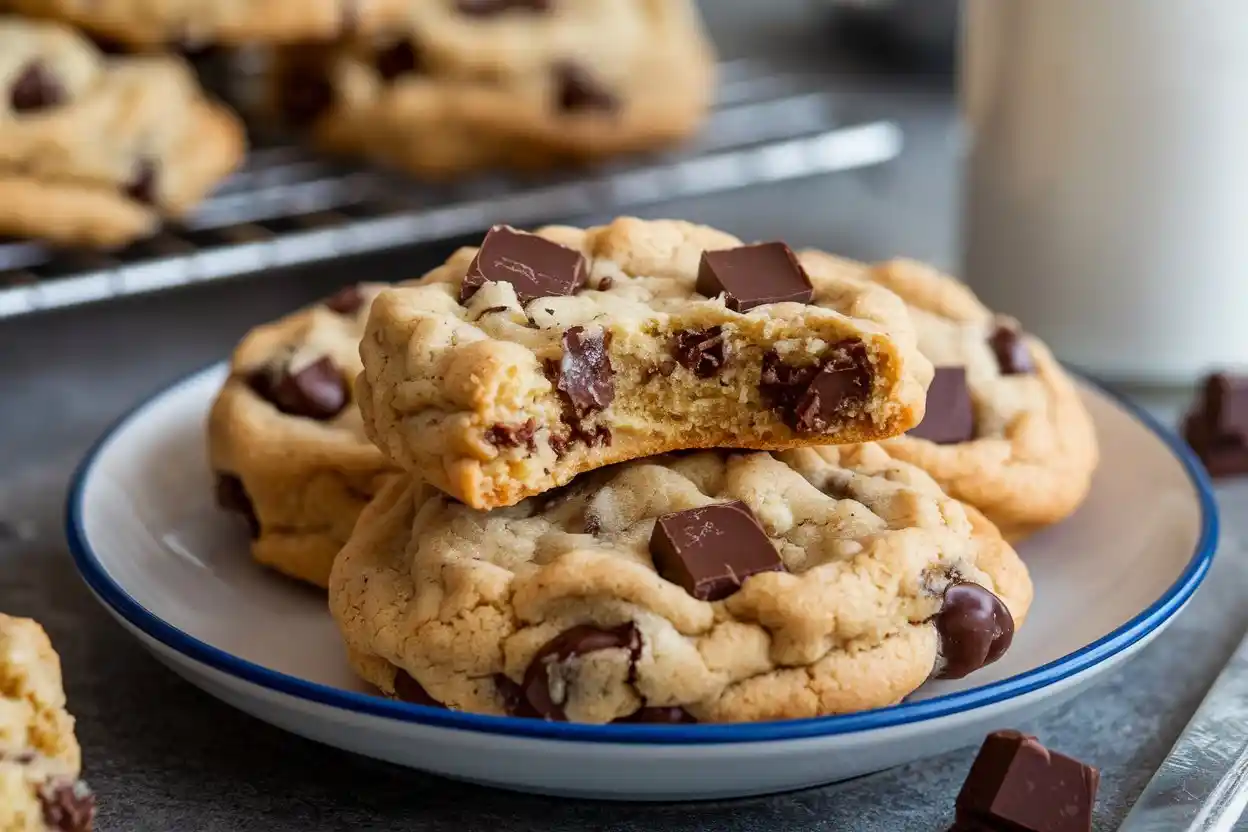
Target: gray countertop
[164, 756]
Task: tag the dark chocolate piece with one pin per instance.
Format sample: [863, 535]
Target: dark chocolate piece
[489, 8]
[512, 695]
[409, 690]
[750, 276]
[232, 496]
[68, 806]
[1011, 351]
[577, 91]
[975, 629]
[400, 58]
[142, 188]
[577, 641]
[703, 352]
[950, 415]
[36, 88]
[513, 436]
[1217, 425]
[710, 551]
[318, 391]
[606, 283]
[671, 715]
[533, 265]
[584, 375]
[346, 301]
[814, 398]
[1018, 785]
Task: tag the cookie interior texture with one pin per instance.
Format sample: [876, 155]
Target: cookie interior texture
[494, 393]
[559, 608]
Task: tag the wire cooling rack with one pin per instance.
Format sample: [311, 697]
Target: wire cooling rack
[289, 206]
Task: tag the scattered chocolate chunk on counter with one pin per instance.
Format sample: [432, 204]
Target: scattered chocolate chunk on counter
[534, 266]
[950, 415]
[750, 276]
[1217, 425]
[710, 551]
[1018, 785]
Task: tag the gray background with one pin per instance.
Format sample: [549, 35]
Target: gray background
[164, 756]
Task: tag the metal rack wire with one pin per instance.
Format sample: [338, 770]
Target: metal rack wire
[290, 206]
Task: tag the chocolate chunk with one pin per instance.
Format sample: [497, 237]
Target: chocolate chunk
[577, 641]
[397, 59]
[950, 415]
[233, 496]
[36, 88]
[513, 436]
[1017, 784]
[606, 283]
[68, 806]
[318, 391]
[703, 352]
[142, 187]
[814, 398]
[710, 551]
[578, 91]
[409, 690]
[489, 8]
[305, 94]
[672, 715]
[750, 276]
[1217, 425]
[533, 265]
[346, 301]
[1011, 351]
[584, 375]
[975, 629]
[512, 695]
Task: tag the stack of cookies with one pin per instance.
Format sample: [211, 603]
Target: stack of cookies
[647, 473]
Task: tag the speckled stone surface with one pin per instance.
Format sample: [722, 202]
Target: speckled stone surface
[164, 756]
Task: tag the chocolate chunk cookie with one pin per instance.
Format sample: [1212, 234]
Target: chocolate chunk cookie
[707, 587]
[285, 439]
[1005, 429]
[97, 150]
[465, 85]
[536, 357]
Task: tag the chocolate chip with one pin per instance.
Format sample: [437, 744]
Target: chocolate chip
[750, 276]
[346, 301]
[577, 641]
[534, 266]
[232, 496]
[673, 715]
[578, 91]
[1017, 784]
[584, 375]
[513, 436]
[703, 352]
[318, 391]
[975, 629]
[397, 59]
[305, 93]
[606, 283]
[409, 690]
[68, 806]
[559, 444]
[950, 415]
[1217, 425]
[1011, 351]
[814, 398]
[36, 88]
[489, 8]
[142, 186]
[711, 550]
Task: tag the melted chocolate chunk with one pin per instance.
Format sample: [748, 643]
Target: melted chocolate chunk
[815, 398]
[1019, 785]
[1217, 425]
[68, 806]
[584, 375]
[489, 8]
[703, 352]
[710, 551]
[512, 695]
[142, 187]
[950, 415]
[577, 641]
[36, 88]
[346, 301]
[975, 629]
[513, 436]
[1011, 351]
[232, 496]
[397, 59]
[750, 276]
[577, 91]
[318, 391]
[672, 715]
[409, 690]
[534, 266]
[606, 283]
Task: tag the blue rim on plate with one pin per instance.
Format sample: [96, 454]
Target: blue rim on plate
[110, 593]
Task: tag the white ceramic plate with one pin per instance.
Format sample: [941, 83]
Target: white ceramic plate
[174, 570]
